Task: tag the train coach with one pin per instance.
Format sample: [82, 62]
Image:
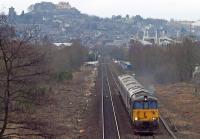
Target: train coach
[140, 104]
[126, 65]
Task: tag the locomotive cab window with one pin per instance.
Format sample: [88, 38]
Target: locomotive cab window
[138, 105]
[145, 105]
[153, 105]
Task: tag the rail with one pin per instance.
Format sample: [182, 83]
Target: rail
[167, 128]
[112, 104]
[102, 103]
[118, 134]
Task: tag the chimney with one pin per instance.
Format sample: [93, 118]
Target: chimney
[147, 33]
[163, 34]
[156, 37]
[144, 34]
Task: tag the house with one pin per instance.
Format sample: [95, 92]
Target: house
[62, 45]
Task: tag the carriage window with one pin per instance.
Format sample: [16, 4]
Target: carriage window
[138, 105]
[152, 105]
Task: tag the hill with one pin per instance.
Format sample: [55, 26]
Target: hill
[62, 22]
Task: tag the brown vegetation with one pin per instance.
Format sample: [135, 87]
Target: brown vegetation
[27, 67]
[21, 67]
[181, 109]
[166, 64]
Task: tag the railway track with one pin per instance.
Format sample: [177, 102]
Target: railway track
[110, 129]
[115, 120]
[163, 124]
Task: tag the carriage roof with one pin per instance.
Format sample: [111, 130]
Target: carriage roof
[131, 85]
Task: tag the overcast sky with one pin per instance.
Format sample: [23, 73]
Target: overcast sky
[165, 9]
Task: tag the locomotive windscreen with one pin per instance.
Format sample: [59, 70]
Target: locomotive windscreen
[145, 105]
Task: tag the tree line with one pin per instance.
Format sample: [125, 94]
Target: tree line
[173, 63]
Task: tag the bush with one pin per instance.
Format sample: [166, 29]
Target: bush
[61, 76]
[33, 96]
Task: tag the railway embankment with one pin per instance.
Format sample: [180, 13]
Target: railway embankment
[70, 111]
[180, 107]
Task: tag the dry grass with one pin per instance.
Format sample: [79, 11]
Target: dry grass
[64, 115]
[180, 105]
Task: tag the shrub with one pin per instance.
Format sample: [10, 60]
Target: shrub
[61, 76]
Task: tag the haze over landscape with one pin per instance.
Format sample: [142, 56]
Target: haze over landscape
[97, 69]
[176, 9]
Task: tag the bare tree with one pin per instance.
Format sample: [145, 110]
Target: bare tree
[21, 65]
[167, 64]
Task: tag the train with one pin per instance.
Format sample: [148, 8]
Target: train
[126, 65]
[141, 105]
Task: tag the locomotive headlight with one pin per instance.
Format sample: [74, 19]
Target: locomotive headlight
[136, 118]
[153, 118]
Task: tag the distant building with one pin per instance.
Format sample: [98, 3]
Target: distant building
[22, 13]
[165, 41]
[146, 43]
[117, 43]
[187, 23]
[42, 7]
[62, 45]
[12, 11]
[196, 23]
[63, 5]
[151, 40]
[11, 14]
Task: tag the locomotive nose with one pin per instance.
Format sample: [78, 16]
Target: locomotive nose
[145, 115]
